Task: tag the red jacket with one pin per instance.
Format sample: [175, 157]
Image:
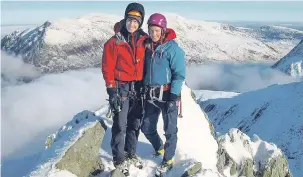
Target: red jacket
[121, 62]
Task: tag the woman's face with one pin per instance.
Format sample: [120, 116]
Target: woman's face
[132, 25]
[155, 33]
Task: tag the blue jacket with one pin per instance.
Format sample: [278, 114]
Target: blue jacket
[166, 65]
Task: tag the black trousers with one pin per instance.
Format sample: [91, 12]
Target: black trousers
[126, 123]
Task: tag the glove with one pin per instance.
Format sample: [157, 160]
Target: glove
[115, 100]
[173, 97]
[172, 103]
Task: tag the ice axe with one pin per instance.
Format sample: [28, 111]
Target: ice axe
[99, 111]
[109, 113]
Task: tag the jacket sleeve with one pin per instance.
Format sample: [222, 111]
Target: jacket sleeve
[109, 59]
[177, 66]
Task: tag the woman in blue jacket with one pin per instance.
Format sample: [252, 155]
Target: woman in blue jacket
[163, 79]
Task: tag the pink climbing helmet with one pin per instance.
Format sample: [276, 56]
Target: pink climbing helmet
[158, 20]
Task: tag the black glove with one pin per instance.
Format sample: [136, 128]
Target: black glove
[173, 97]
[115, 100]
[171, 104]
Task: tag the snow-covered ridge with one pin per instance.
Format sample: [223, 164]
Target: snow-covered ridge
[22, 42]
[292, 63]
[237, 147]
[81, 30]
[78, 43]
[278, 32]
[274, 114]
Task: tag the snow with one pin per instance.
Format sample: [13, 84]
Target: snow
[57, 173]
[186, 154]
[296, 68]
[240, 147]
[292, 63]
[63, 140]
[263, 152]
[62, 173]
[80, 30]
[234, 146]
[193, 126]
[286, 29]
[5, 30]
[195, 144]
[190, 127]
[219, 42]
[273, 113]
[203, 95]
[202, 41]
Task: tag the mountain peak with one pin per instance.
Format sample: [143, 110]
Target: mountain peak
[78, 43]
[292, 63]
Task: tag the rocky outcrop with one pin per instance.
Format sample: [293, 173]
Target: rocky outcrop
[239, 156]
[75, 147]
[82, 158]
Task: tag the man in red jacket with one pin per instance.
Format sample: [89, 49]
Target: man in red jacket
[122, 69]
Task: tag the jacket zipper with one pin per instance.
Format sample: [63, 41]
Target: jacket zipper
[153, 58]
[151, 68]
[167, 75]
[132, 54]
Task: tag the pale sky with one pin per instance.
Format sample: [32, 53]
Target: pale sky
[36, 12]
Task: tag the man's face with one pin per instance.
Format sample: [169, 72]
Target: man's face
[154, 33]
[132, 25]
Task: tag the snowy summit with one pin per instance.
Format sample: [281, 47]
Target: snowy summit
[78, 43]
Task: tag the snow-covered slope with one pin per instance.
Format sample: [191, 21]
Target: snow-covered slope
[77, 43]
[292, 63]
[193, 123]
[276, 33]
[203, 95]
[194, 126]
[212, 41]
[62, 45]
[274, 113]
